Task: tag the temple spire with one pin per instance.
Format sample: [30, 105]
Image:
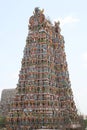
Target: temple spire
[44, 98]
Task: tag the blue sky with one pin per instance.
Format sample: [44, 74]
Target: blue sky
[14, 16]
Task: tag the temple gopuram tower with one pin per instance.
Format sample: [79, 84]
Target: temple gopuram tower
[44, 98]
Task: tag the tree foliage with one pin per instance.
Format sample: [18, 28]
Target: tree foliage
[85, 121]
[2, 121]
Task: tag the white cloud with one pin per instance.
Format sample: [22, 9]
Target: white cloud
[14, 76]
[68, 20]
[80, 96]
[84, 58]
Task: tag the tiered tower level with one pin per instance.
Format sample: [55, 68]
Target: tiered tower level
[44, 98]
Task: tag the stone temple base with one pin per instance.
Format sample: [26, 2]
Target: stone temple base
[47, 129]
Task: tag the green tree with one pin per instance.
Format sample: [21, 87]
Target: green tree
[85, 121]
[2, 121]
